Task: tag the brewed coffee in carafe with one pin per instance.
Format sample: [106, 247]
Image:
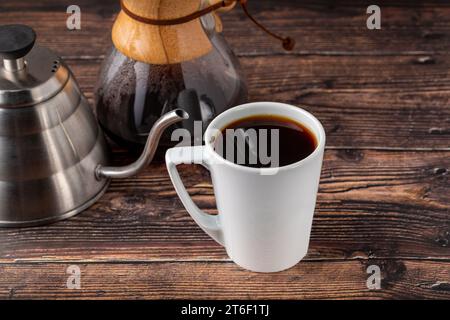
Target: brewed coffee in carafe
[187, 66]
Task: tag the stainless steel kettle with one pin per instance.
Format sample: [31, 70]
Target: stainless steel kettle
[53, 156]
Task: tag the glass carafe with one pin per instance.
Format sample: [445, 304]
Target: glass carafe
[153, 69]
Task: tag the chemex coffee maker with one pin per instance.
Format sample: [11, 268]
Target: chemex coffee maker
[169, 66]
[168, 54]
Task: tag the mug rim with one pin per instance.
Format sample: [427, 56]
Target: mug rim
[319, 134]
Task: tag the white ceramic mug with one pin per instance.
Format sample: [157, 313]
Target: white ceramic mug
[264, 218]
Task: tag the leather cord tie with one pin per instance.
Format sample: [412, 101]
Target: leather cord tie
[288, 43]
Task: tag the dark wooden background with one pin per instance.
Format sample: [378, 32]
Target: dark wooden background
[384, 98]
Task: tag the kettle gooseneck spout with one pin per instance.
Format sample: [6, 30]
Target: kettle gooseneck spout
[149, 151]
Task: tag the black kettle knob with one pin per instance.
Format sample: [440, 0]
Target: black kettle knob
[16, 41]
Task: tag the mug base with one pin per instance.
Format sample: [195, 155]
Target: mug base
[266, 269]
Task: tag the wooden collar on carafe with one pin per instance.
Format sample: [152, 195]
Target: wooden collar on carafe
[288, 43]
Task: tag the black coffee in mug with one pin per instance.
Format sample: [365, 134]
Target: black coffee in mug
[265, 141]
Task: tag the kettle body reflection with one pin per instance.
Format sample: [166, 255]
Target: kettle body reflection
[152, 69]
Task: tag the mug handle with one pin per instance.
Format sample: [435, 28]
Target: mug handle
[192, 155]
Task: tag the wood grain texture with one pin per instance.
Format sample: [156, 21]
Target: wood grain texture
[401, 279]
[384, 198]
[320, 27]
[371, 204]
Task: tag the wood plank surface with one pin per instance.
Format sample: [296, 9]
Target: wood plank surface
[384, 99]
[401, 279]
[371, 204]
[320, 27]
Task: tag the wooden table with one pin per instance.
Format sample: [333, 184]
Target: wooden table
[384, 98]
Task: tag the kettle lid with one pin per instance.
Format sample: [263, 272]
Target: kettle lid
[29, 74]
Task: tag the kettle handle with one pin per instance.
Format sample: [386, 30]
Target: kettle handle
[147, 155]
